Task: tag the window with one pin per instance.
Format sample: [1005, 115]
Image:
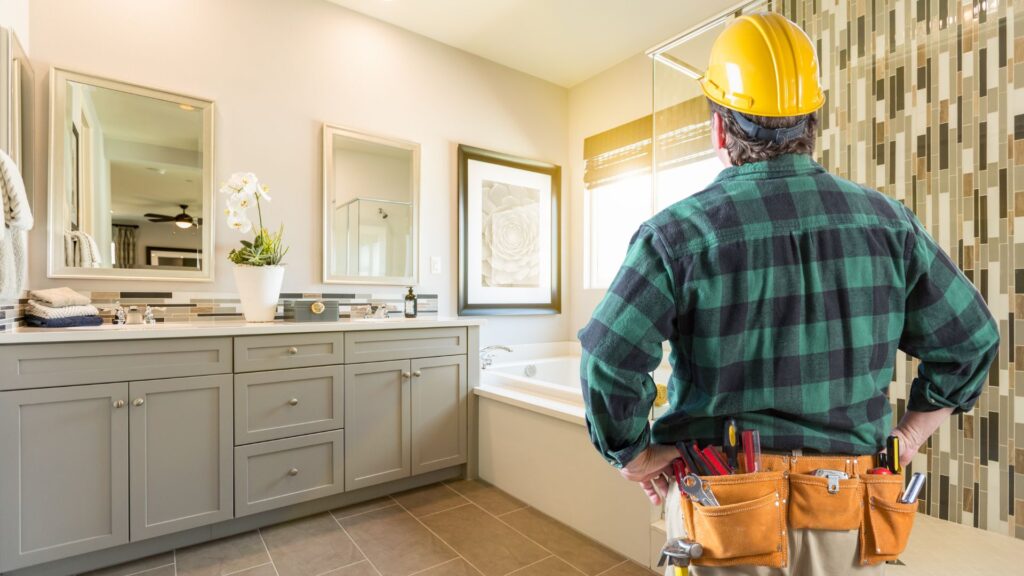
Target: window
[612, 213]
[620, 192]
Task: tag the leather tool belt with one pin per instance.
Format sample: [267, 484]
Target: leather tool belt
[749, 527]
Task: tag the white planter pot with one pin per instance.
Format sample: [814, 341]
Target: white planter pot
[259, 288]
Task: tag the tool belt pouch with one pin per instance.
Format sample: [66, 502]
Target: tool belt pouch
[824, 504]
[887, 522]
[748, 528]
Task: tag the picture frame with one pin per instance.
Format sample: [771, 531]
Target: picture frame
[509, 234]
[184, 258]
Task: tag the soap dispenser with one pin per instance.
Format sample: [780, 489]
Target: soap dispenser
[410, 304]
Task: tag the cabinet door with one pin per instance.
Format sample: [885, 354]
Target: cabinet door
[438, 413]
[63, 472]
[181, 454]
[377, 414]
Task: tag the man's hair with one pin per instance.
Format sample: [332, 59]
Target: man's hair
[743, 149]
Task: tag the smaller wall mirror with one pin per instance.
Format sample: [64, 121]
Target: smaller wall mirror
[131, 193]
[371, 191]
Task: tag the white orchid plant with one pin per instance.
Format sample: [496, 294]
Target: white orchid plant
[244, 190]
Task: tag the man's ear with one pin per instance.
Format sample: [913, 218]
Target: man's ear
[717, 131]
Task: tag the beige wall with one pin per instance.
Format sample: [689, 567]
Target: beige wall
[14, 15]
[276, 71]
[616, 96]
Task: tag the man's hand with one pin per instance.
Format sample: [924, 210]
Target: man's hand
[914, 430]
[649, 469]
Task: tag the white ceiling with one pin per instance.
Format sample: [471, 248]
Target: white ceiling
[562, 41]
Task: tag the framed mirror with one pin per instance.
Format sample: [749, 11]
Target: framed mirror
[371, 213]
[131, 181]
[16, 81]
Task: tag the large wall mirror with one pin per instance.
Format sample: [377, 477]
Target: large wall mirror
[131, 192]
[16, 81]
[371, 191]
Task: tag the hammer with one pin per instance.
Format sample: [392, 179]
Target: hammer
[678, 552]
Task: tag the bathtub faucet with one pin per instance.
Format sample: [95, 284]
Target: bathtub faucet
[487, 355]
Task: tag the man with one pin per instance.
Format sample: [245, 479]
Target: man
[784, 293]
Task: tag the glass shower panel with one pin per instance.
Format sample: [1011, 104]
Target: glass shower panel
[684, 161]
[377, 237]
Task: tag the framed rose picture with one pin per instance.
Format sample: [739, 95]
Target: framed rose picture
[508, 234]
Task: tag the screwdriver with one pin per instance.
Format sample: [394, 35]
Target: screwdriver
[752, 450]
[730, 443]
[892, 448]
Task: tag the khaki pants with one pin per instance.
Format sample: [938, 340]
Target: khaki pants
[811, 552]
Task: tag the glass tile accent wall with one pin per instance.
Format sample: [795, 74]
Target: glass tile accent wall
[926, 104]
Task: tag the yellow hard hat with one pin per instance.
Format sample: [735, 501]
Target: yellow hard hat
[765, 65]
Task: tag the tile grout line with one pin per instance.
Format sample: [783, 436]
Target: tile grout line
[336, 519]
[443, 541]
[626, 561]
[248, 567]
[445, 510]
[510, 511]
[174, 558]
[542, 547]
[356, 544]
[259, 531]
[350, 564]
[521, 568]
[421, 571]
[141, 572]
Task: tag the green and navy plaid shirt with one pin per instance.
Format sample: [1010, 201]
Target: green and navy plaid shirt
[784, 293]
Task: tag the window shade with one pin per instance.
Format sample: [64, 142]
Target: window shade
[618, 153]
[684, 133]
[683, 136]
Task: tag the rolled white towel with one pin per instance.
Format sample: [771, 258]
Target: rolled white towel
[41, 310]
[57, 297]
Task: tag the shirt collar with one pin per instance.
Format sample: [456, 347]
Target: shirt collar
[779, 167]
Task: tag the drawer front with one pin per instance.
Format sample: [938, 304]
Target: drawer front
[379, 345]
[275, 352]
[285, 403]
[61, 364]
[280, 473]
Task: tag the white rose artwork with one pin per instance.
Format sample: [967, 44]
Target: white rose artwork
[510, 255]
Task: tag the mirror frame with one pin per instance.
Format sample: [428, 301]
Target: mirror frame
[55, 267]
[329, 132]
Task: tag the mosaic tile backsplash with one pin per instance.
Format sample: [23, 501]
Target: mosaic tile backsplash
[925, 102]
[217, 307]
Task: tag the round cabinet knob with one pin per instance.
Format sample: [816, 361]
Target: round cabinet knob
[293, 402]
[405, 375]
[293, 351]
[138, 402]
[119, 404]
[293, 472]
[317, 307]
[417, 373]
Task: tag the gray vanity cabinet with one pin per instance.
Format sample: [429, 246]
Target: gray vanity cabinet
[439, 410]
[63, 472]
[377, 423]
[181, 454]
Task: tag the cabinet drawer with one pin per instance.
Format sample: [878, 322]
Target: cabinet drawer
[378, 345]
[284, 403]
[274, 352]
[60, 364]
[283, 472]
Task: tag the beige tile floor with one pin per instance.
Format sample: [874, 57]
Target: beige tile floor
[455, 528]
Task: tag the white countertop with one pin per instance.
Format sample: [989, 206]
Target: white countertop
[211, 329]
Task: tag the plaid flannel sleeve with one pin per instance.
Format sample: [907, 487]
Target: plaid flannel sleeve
[947, 326]
[622, 344]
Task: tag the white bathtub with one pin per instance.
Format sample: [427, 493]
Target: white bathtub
[533, 443]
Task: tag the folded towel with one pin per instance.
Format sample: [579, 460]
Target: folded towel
[38, 322]
[43, 311]
[57, 297]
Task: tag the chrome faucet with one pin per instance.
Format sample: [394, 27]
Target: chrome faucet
[147, 316]
[487, 355]
[120, 318]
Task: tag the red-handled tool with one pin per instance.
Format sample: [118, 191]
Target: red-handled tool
[752, 450]
[715, 461]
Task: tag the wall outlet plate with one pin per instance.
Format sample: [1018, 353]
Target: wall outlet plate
[435, 264]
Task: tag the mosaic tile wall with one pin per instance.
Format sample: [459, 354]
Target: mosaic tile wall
[216, 307]
[926, 103]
